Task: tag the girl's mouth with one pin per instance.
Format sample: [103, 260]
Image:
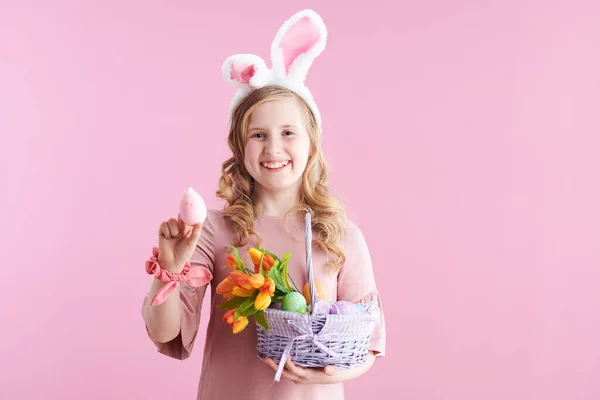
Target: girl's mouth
[275, 165]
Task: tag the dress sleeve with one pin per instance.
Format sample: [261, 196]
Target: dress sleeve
[191, 298]
[356, 283]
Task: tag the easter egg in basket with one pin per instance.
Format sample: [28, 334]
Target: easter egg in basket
[319, 288]
[295, 302]
[361, 307]
[342, 307]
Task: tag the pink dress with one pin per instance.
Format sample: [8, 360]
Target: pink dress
[227, 355]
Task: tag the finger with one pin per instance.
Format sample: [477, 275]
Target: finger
[329, 370]
[285, 374]
[184, 228]
[294, 369]
[180, 224]
[270, 363]
[195, 233]
[164, 230]
[173, 227]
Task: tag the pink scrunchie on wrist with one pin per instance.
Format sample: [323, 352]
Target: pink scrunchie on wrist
[195, 277]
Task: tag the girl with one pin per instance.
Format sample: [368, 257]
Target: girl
[276, 174]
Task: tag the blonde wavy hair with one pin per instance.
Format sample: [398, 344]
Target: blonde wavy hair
[237, 187]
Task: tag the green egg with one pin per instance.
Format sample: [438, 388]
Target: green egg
[295, 302]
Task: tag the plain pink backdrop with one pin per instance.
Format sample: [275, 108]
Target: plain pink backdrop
[462, 136]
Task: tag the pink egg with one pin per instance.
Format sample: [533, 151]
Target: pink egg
[192, 208]
[343, 307]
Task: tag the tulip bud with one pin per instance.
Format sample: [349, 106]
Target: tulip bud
[268, 287]
[262, 301]
[241, 292]
[228, 317]
[225, 286]
[240, 325]
[232, 264]
[255, 256]
[241, 279]
[257, 280]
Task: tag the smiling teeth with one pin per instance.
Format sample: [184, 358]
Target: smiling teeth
[275, 165]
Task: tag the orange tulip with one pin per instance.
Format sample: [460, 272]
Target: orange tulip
[268, 287]
[257, 280]
[232, 264]
[255, 256]
[241, 279]
[241, 292]
[225, 286]
[228, 317]
[240, 325]
[262, 301]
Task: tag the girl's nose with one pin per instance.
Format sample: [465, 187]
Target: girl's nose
[273, 147]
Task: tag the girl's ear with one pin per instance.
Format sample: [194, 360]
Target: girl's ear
[297, 43]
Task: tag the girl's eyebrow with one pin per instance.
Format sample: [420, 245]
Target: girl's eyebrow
[258, 128]
[255, 128]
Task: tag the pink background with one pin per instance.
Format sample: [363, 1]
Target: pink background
[463, 137]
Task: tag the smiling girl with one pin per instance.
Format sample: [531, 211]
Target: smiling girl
[277, 172]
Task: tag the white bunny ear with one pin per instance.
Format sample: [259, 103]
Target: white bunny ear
[245, 71]
[297, 43]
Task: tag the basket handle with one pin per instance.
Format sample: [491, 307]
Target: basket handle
[309, 267]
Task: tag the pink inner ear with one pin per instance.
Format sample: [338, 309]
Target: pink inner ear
[242, 73]
[300, 38]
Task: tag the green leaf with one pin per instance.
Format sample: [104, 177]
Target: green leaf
[259, 317]
[277, 298]
[250, 311]
[281, 278]
[238, 261]
[286, 257]
[285, 273]
[276, 264]
[248, 302]
[275, 274]
[231, 303]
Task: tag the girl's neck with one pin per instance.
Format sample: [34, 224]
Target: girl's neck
[276, 204]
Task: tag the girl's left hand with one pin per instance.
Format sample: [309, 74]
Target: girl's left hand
[300, 375]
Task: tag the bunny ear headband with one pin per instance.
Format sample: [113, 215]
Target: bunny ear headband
[297, 43]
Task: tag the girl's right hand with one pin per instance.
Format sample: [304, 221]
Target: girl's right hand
[176, 243]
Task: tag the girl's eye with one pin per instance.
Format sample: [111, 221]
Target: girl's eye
[288, 133]
[258, 135]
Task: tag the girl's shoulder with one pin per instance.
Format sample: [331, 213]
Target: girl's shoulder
[353, 235]
[214, 216]
[215, 225]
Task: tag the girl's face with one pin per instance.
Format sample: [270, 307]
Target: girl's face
[278, 145]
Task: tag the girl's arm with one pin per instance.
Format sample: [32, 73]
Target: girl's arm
[172, 326]
[341, 375]
[322, 376]
[163, 321]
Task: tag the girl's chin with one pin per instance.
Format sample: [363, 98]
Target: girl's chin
[275, 185]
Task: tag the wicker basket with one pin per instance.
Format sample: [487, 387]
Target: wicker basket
[316, 338]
